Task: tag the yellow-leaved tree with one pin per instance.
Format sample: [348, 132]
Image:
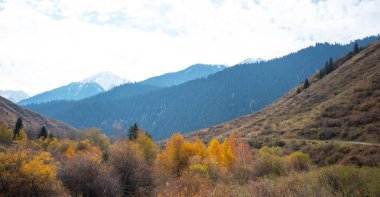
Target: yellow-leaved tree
[175, 157]
[214, 151]
[227, 156]
[148, 147]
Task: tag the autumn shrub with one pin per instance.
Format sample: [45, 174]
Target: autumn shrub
[26, 173]
[84, 174]
[6, 134]
[127, 160]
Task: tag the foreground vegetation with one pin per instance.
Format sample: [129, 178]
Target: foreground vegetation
[135, 166]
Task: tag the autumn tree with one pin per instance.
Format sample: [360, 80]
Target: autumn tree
[214, 150]
[227, 156]
[174, 158]
[18, 126]
[43, 133]
[147, 146]
[240, 150]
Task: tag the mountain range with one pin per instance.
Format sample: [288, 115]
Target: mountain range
[200, 103]
[78, 90]
[14, 95]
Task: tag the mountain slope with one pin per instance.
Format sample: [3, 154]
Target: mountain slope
[200, 103]
[195, 71]
[9, 112]
[14, 96]
[72, 91]
[344, 106]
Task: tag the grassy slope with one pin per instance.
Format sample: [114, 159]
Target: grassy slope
[9, 112]
[335, 120]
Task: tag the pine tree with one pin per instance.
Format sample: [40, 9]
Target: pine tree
[306, 84]
[133, 132]
[356, 48]
[298, 91]
[330, 66]
[43, 133]
[19, 125]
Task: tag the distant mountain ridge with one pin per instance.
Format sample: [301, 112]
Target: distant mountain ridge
[195, 71]
[78, 90]
[200, 103]
[72, 91]
[14, 95]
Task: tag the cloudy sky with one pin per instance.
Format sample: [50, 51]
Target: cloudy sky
[48, 43]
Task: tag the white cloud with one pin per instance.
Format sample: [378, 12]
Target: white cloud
[48, 43]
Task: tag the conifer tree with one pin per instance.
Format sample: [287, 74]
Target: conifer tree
[356, 48]
[306, 84]
[133, 132]
[19, 125]
[43, 133]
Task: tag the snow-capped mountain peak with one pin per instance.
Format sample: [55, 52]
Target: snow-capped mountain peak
[251, 61]
[107, 80]
[14, 96]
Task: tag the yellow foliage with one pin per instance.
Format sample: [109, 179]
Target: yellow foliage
[175, 157]
[228, 158]
[178, 153]
[23, 173]
[22, 136]
[214, 150]
[70, 151]
[148, 147]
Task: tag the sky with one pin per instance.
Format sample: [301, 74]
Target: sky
[45, 44]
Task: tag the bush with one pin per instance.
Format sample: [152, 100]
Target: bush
[348, 180]
[299, 161]
[24, 173]
[127, 160]
[85, 175]
[6, 134]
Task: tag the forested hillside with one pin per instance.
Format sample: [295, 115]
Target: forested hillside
[200, 103]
